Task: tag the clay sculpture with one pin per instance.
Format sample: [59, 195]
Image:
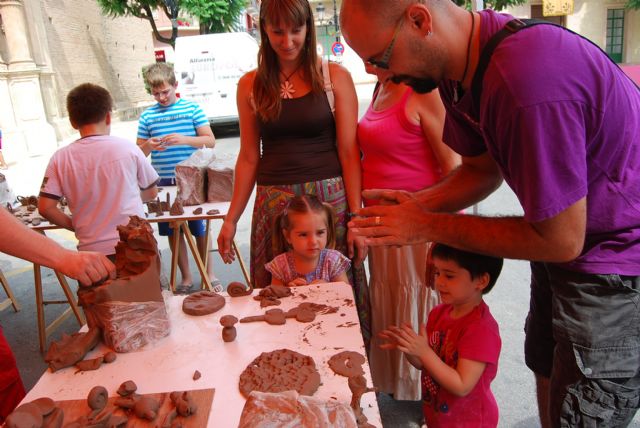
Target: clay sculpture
[278, 371]
[237, 289]
[97, 398]
[176, 208]
[129, 309]
[272, 294]
[71, 349]
[347, 363]
[358, 387]
[229, 332]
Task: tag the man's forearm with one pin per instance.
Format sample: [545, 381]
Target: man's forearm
[18, 240]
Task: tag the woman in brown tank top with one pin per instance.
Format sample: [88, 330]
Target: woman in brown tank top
[292, 144]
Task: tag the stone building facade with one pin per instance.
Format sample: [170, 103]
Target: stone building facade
[49, 46]
[607, 23]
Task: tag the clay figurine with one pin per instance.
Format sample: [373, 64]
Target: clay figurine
[71, 349]
[127, 388]
[237, 289]
[97, 398]
[347, 363]
[202, 303]
[197, 211]
[358, 387]
[229, 332]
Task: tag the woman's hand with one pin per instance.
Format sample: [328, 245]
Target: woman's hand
[225, 240]
[357, 248]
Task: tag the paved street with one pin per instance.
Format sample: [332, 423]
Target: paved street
[514, 388]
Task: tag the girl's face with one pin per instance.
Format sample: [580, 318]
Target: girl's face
[308, 234]
[286, 40]
[455, 284]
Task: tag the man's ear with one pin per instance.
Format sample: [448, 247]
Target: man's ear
[421, 18]
[107, 118]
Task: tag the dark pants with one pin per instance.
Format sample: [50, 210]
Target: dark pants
[583, 331]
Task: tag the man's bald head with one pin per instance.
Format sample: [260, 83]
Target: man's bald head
[379, 13]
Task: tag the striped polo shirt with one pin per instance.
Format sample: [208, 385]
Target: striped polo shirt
[182, 117]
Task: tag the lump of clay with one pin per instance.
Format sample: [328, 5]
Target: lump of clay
[279, 371]
[109, 357]
[185, 405]
[358, 387]
[127, 388]
[272, 294]
[237, 289]
[71, 349]
[196, 375]
[176, 208]
[202, 303]
[347, 363]
[191, 176]
[146, 408]
[266, 410]
[97, 398]
[220, 179]
[88, 365]
[197, 211]
[129, 309]
[229, 332]
[41, 412]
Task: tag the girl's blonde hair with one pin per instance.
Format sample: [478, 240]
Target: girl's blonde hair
[302, 205]
[266, 86]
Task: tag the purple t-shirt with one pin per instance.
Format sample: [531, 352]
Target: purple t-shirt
[562, 122]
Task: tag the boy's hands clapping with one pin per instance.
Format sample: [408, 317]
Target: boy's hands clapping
[406, 340]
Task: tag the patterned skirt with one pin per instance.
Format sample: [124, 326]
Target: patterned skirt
[270, 201]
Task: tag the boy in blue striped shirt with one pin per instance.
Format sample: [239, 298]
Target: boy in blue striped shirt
[171, 131]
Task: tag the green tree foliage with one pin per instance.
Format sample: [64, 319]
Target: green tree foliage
[495, 4]
[633, 4]
[214, 15]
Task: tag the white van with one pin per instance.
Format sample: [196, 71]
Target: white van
[208, 68]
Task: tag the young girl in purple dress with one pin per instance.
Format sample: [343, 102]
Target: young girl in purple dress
[305, 234]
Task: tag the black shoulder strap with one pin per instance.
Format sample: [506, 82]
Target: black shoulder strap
[510, 27]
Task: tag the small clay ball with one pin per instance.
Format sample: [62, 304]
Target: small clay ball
[109, 357]
[127, 388]
[196, 375]
[97, 398]
[228, 321]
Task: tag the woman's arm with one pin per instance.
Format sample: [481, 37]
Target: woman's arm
[346, 116]
[431, 113]
[244, 178]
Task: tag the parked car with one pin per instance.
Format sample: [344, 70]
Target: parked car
[208, 68]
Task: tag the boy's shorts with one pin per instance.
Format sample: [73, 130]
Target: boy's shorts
[197, 227]
[583, 332]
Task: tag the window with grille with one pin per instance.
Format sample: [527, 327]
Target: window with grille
[615, 32]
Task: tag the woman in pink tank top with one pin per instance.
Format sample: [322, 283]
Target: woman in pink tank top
[400, 137]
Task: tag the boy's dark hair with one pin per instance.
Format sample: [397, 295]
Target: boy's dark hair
[88, 103]
[158, 73]
[475, 263]
[302, 204]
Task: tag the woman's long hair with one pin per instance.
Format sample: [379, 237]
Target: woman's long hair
[266, 87]
[302, 204]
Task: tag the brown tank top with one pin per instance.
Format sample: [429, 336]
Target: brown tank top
[299, 146]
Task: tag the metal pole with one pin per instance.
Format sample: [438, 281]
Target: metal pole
[335, 21]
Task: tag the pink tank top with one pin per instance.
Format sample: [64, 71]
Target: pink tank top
[395, 153]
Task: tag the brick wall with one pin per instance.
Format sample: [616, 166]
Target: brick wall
[85, 46]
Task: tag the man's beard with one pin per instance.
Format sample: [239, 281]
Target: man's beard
[420, 86]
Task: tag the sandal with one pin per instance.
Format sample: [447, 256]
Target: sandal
[217, 286]
[183, 289]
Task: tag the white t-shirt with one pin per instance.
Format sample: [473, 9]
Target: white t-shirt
[101, 176]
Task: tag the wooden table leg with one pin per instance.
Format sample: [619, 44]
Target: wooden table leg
[205, 251]
[175, 251]
[196, 255]
[239, 258]
[71, 298]
[11, 299]
[42, 329]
